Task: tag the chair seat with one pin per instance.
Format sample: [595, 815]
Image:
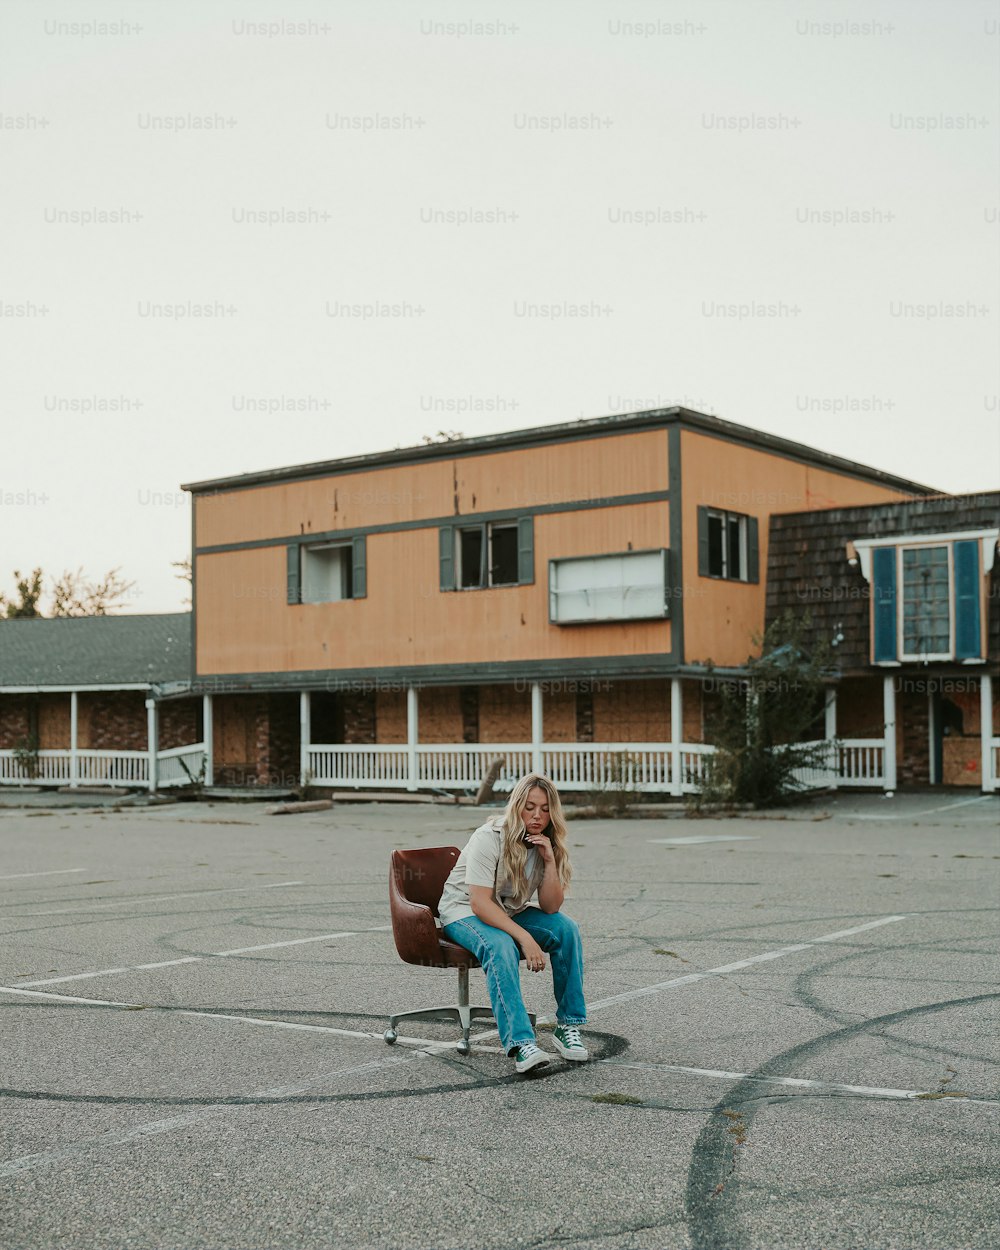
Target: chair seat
[455, 956]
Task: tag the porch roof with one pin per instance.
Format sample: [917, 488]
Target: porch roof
[95, 651]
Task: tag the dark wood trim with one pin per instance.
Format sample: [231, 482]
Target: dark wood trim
[460, 519]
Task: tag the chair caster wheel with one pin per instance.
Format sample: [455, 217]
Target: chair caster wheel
[464, 1048]
[389, 1037]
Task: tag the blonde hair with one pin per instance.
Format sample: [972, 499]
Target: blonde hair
[513, 848]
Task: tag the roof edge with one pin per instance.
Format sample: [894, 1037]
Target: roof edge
[588, 427]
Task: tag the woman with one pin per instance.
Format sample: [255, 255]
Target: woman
[484, 907]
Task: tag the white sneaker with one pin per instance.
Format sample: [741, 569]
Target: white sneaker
[568, 1044]
[529, 1056]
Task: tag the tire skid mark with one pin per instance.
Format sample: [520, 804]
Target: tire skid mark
[712, 1221]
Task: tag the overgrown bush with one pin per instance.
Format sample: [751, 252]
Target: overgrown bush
[763, 723]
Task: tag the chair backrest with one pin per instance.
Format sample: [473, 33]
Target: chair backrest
[416, 879]
[420, 874]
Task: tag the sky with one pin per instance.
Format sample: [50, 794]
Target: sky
[246, 235]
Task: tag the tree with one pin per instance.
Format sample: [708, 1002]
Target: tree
[184, 574]
[29, 590]
[764, 720]
[72, 594]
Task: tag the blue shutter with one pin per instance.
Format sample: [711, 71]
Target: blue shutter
[967, 635]
[884, 603]
[446, 556]
[294, 581]
[525, 550]
[359, 568]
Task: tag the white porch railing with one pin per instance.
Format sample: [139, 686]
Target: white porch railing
[861, 762]
[573, 766]
[180, 766]
[992, 781]
[447, 767]
[461, 766]
[384, 767]
[102, 768]
[53, 769]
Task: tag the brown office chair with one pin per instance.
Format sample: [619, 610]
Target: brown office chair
[416, 879]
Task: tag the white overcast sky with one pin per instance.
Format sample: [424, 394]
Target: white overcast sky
[781, 213]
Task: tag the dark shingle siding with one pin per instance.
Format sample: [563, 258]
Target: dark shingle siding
[808, 572]
[96, 650]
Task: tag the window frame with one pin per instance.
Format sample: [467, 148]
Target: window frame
[863, 551]
[664, 615]
[355, 572]
[486, 530]
[749, 545]
[449, 551]
[909, 657]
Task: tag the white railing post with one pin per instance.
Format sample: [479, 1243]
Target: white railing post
[412, 729]
[305, 730]
[987, 754]
[74, 759]
[676, 735]
[830, 734]
[207, 727]
[152, 743]
[889, 733]
[537, 730]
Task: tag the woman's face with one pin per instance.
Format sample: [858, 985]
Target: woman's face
[535, 812]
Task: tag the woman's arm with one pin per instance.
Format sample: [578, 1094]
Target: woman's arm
[550, 892]
[489, 911]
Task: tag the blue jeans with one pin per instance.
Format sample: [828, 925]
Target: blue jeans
[499, 955]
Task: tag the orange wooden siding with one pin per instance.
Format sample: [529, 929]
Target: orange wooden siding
[245, 624]
[591, 468]
[720, 616]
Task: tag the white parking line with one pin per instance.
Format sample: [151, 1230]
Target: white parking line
[159, 898]
[873, 1091]
[53, 872]
[707, 837]
[193, 959]
[925, 811]
[646, 990]
[691, 977]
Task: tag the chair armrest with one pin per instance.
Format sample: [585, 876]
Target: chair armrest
[416, 935]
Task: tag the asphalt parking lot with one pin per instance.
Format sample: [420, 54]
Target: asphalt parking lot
[793, 1021]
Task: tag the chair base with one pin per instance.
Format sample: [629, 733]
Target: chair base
[461, 1012]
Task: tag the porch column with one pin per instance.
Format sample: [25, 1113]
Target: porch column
[74, 759]
[305, 735]
[889, 734]
[412, 721]
[990, 781]
[207, 735]
[676, 735]
[152, 743]
[537, 730]
[830, 734]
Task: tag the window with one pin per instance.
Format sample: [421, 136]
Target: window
[727, 545]
[487, 555]
[926, 599]
[327, 572]
[490, 553]
[927, 594]
[627, 586]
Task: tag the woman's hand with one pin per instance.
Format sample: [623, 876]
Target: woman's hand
[542, 845]
[534, 956]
